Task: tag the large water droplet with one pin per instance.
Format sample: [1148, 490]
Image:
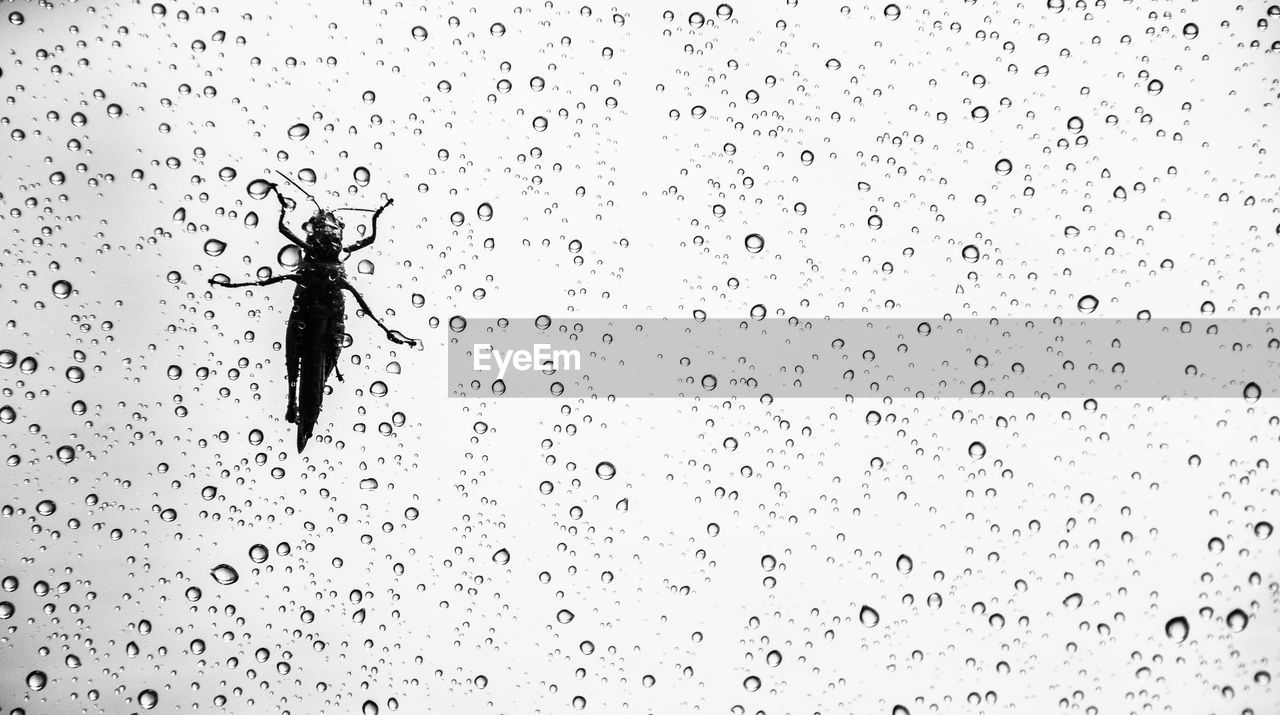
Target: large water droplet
[224, 574]
[606, 470]
[37, 679]
[869, 617]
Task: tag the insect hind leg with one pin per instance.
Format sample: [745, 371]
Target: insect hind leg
[335, 348]
[291, 344]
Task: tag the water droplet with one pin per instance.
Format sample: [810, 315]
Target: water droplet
[869, 617]
[258, 188]
[606, 470]
[754, 243]
[214, 247]
[1237, 620]
[1087, 304]
[289, 256]
[977, 450]
[61, 289]
[501, 556]
[224, 574]
[299, 131]
[1177, 629]
[1252, 392]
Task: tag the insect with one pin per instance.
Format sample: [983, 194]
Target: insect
[316, 323]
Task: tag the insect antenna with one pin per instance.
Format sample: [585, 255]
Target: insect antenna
[299, 188]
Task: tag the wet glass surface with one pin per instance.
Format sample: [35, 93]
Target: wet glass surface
[165, 547]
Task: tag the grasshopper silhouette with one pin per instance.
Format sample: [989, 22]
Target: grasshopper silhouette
[316, 323]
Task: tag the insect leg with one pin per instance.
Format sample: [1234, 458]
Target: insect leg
[284, 228]
[373, 230]
[265, 282]
[335, 348]
[292, 347]
[394, 336]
